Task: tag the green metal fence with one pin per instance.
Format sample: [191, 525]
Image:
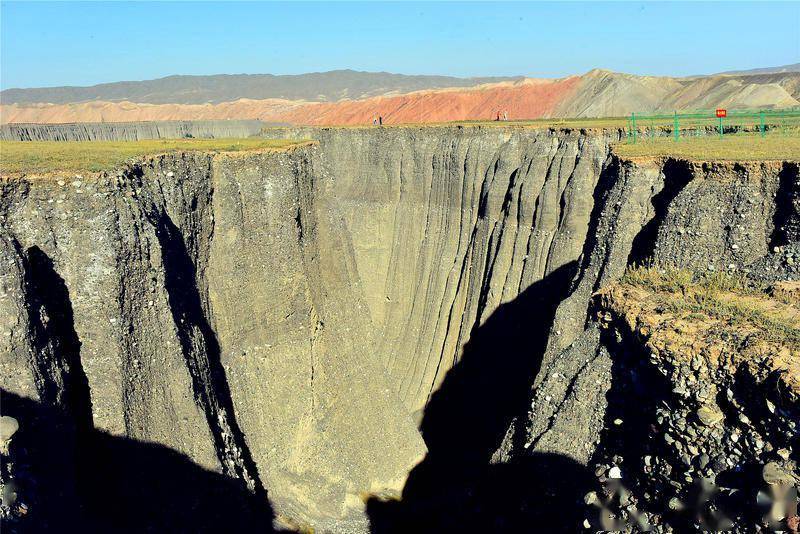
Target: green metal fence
[762, 122]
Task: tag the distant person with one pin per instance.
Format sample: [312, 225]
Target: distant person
[374, 121]
[497, 118]
[380, 120]
[505, 115]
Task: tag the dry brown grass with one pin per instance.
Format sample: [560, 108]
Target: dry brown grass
[727, 296]
[719, 322]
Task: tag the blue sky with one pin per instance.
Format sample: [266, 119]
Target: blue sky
[47, 44]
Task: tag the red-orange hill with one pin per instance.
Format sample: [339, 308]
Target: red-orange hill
[525, 100]
[528, 99]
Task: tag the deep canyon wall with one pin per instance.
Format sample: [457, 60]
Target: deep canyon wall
[131, 131]
[313, 324]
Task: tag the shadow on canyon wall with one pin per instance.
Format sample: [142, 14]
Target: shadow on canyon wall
[56, 347]
[786, 220]
[677, 174]
[73, 477]
[202, 352]
[95, 482]
[456, 488]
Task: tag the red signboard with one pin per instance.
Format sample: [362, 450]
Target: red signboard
[722, 113]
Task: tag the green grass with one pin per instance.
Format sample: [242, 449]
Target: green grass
[739, 147]
[43, 157]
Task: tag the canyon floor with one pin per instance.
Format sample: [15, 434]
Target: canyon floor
[450, 328]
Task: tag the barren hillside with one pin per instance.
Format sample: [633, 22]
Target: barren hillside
[596, 94]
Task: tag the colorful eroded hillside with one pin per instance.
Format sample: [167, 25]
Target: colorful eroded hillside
[598, 93]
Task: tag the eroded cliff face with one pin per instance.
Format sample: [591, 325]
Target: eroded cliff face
[311, 324]
[703, 404]
[212, 311]
[131, 131]
[448, 224]
[699, 216]
[705, 218]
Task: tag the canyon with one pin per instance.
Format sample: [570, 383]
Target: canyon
[388, 329]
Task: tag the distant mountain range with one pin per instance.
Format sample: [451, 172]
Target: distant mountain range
[795, 67]
[314, 87]
[351, 97]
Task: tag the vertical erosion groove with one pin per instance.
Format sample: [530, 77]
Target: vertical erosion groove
[60, 378]
[677, 174]
[202, 352]
[469, 414]
[786, 221]
[456, 488]
[53, 440]
[609, 176]
[493, 245]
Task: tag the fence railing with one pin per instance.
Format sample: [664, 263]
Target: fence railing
[708, 122]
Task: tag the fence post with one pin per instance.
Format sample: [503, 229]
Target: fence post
[762, 123]
[633, 122]
[675, 126]
[720, 127]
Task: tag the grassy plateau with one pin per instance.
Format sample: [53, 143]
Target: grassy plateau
[42, 157]
[739, 147]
